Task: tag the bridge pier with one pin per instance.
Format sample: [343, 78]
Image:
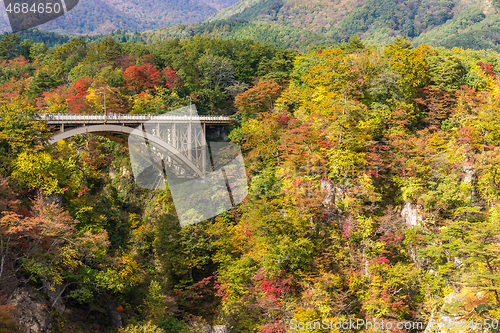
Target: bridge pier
[190, 140]
[204, 151]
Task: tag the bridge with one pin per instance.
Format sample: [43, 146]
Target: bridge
[177, 140]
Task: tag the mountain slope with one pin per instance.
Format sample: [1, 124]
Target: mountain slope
[376, 21]
[265, 32]
[103, 16]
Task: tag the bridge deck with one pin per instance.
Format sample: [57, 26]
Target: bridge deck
[53, 119]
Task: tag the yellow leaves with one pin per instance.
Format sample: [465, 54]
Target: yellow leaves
[94, 97]
[367, 63]
[411, 187]
[34, 170]
[20, 128]
[126, 273]
[437, 143]
[69, 258]
[135, 220]
[319, 94]
[262, 138]
[341, 161]
[410, 64]
[366, 225]
[130, 270]
[334, 73]
[311, 320]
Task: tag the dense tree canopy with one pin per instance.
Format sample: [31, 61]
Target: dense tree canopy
[373, 186]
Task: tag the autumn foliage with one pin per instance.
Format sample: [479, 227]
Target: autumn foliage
[141, 78]
[373, 187]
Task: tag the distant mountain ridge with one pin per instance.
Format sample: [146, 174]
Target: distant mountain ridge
[104, 16]
[295, 24]
[438, 22]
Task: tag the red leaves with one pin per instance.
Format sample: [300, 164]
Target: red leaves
[8, 322]
[8, 200]
[58, 95]
[380, 260]
[348, 229]
[78, 102]
[274, 288]
[200, 298]
[82, 85]
[283, 120]
[487, 68]
[273, 328]
[468, 135]
[126, 61]
[391, 238]
[173, 80]
[141, 78]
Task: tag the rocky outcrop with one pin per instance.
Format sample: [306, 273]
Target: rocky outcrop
[219, 329]
[450, 315]
[331, 192]
[32, 310]
[469, 173]
[116, 318]
[410, 213]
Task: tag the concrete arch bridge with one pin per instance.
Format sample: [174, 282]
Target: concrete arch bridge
[176, 142]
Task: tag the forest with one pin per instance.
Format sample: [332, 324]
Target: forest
[374, 175]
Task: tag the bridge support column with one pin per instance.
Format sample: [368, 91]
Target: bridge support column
[190, 141]
[173, 137]
[62, 128]
[204, 150]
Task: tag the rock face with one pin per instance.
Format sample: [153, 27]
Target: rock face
[32, 310]
[331, 192]
[442, 320]
[411, 215]
[54, 292]
[469, 173]
[220, 329]
[117, 319]
[53, 199]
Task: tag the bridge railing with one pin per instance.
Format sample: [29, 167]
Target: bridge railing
[126, 117]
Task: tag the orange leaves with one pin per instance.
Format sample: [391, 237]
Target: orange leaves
[8, 322]
[8, 200]
[301, 145]
[48, 243]
[47, 222]
[258, 99]
[55, 101]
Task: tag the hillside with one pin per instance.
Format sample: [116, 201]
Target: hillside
[264, 32]
[380, 21]
[104, 16]
[373, 189]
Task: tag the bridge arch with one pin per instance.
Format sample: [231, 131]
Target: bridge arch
[109, 130]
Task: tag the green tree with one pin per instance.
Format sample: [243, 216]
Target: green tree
[38, 49]
[147, 327]
[466, 251]
[10, 46]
